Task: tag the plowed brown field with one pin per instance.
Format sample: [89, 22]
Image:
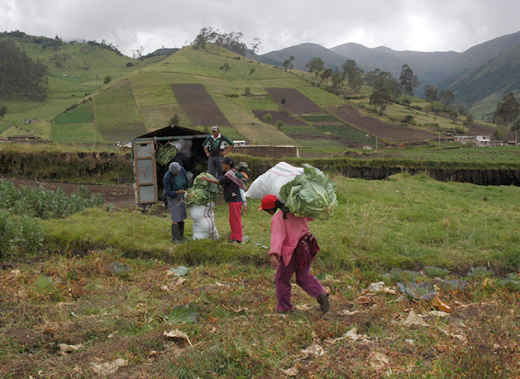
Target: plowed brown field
[379, 128]
[293, 100]
[278, 116]
[198, 105]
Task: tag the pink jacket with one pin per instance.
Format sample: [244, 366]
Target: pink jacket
[286, 233]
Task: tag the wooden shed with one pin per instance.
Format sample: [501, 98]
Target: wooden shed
[148, 172]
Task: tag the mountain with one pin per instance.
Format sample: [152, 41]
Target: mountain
[302, 54]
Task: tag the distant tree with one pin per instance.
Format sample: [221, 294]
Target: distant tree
[507, 110]
[225, 67]
[468, 122]
[255, 45]
[384, 80]
[337, 79]
[268, 118]
[515, 126]
[325, 75]
[353, 73]
[453, 115]
[279, 124]
[408, 80]
[315, 65]
[174, 120]
[288, 63]
[247, 91]
[20, 76]
[380, 98]
[107, 79]
[447, 97]
[3, 111]
[431, 93]
[252, 70]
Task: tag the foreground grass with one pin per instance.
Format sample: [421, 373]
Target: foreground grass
[228, 312]
[406, 222]
[109, 303]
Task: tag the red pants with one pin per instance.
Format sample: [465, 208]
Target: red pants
[235, 221]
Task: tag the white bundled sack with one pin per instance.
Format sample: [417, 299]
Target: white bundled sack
[204, 222]
[272, 180]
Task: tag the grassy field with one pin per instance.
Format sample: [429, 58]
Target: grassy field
[110, 303]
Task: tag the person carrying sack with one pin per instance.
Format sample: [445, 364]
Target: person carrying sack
[175, 185]
[293, 247]
[213, 147]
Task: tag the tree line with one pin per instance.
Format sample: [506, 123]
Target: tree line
[507, 113]
[20, 76]
[233, 41]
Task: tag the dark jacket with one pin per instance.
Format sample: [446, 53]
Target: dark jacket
[174, 183]
[231, 190]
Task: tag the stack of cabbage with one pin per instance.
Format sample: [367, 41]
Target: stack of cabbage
[311, 194]
[202, 192]
[166, 154]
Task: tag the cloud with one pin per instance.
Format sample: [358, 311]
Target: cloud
[400, 24]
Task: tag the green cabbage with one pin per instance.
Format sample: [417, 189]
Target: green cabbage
[202, 192]
[311, 194]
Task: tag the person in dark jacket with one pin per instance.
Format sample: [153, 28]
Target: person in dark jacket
[175, 185]
[232, 185]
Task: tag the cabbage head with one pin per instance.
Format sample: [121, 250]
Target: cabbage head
[311, 194]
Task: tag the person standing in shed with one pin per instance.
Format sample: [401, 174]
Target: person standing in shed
[216, 146]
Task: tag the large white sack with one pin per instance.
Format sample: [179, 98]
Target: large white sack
[203, 222]
[272, 180]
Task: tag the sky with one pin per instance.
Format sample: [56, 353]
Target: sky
[424, 25]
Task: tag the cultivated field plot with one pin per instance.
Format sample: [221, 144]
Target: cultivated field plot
[293, 100]
[276, 116]
[481, 130]
[329, 134]
[198, 105]
[376, 127]
[117, 116]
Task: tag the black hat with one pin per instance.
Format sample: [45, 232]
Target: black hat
[229, 161]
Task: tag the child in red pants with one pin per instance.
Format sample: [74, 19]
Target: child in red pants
[232, 185]
[293, 247]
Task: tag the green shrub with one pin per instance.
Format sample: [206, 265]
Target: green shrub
[19, 235]
[43, 203]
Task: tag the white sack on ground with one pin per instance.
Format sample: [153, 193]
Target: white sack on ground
[203, 222]
[272, 180]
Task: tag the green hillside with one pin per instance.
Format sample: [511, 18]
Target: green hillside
[75, 70]
[141, 97]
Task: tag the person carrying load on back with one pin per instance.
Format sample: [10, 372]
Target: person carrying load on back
[232, 186]
[293, 247]
[175, 185]
[216, 146]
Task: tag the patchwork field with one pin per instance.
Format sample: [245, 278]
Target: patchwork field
[276, 117]
[117, 115]
[293, 100]
[384, 130]
[198, 105]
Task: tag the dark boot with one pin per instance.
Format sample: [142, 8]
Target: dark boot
[181, 231]
[323, 300]
[175, 233]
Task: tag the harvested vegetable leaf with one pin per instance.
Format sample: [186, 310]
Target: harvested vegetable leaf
[202, 192]
[311, 194]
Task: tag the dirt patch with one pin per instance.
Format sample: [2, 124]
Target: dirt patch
[379, 128]
[293, 100]
[480, 130]
[121, 195]
[198, 105]
[278, 116]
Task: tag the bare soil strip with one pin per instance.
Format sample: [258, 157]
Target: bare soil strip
[278, 116]
[198, 105]
[293, 100]
[379, 128]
